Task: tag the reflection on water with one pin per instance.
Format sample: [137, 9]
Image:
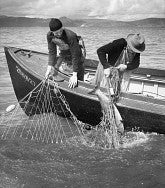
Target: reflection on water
[140, 162]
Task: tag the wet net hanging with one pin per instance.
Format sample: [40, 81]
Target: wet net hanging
[106, 133]
[38, 117]
[108, 122]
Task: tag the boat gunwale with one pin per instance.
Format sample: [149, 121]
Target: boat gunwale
[76, 91]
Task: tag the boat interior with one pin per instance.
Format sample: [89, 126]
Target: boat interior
[146, 82]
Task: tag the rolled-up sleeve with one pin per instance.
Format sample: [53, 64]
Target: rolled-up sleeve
[52, 50]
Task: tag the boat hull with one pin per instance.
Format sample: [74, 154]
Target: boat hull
[137, 111]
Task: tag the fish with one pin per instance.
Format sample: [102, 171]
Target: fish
[104, 101]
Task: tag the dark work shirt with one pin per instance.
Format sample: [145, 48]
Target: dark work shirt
[70, 38]
[109, 54]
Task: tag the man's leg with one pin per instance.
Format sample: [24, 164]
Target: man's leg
[98, 75]
[57, 65]
[125, 80]
[80, 74]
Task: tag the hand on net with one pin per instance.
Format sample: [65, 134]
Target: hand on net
[49, 71]
[73, 80]
[107, 72]
[122, 67]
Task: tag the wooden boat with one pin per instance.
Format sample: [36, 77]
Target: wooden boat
[143, 106]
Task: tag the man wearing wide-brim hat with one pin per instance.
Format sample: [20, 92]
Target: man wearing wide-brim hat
[124, 54]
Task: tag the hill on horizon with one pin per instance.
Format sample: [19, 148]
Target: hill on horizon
[6, 21]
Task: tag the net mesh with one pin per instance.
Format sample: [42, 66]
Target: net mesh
[38, 117]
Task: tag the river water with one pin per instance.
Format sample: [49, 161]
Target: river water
[140, 163]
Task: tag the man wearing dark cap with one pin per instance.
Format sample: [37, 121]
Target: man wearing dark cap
[67, 41]
[124, 54]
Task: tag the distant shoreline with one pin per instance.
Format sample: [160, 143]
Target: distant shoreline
[40, 22]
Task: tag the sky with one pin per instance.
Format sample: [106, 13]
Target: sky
[124, 10]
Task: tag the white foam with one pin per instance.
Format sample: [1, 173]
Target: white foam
[132, 139]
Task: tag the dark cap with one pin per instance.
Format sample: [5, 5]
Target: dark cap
[55, 24]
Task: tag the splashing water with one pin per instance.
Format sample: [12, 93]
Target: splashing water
[131, 139]
[99, 138]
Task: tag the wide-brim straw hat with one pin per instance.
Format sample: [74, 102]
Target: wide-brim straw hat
[136, 42]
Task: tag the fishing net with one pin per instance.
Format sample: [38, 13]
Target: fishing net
[106, 134]
[38, 117]
[114, 81]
